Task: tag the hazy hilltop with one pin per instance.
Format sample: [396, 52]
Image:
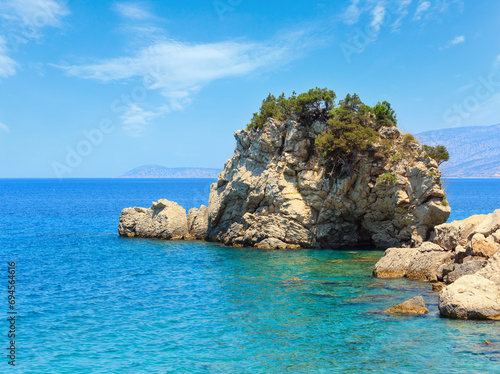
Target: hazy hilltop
[158, 171]
[474, 151]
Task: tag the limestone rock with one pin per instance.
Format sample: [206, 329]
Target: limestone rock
[415, 306]
[481, 246]
[165, 219]
[197, 221]
[272, 243]
[394, 263]
[471, 297]
[276, 186]
[466, 268]
[438, 286]
[416, 263]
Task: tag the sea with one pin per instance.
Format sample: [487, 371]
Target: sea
[89, 301]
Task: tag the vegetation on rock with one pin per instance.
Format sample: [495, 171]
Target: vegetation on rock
[438, 153]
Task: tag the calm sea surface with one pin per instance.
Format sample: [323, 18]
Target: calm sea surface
[89, 301]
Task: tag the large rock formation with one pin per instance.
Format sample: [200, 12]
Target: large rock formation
[277, 187]
[277, 192]
[466, 256]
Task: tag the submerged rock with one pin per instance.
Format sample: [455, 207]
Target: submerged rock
[415, 306]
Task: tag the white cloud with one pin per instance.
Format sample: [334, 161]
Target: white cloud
[352, 13]
[457, 40]
[22, 21]
[423, 6]
[133, 11]
[7, 64]
[4, 127]
[401, 12]
[178, 70]
[35, 14]
[378, 15]
[135, 119]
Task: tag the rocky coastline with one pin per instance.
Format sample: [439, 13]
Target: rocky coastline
[277, 192]
[462, 258]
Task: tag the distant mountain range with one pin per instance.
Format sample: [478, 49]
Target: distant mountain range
[474, 151]
[157, 171]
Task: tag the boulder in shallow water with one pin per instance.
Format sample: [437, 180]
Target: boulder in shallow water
[471, 297]
[165, 219]
[415, 306]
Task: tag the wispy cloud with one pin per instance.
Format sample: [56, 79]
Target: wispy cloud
[378, 15]
[22, 21]
[7, 64]
[352, 13]
[400, 13]
[456, 40]
[177, 70]
[35, 14]
[423, 6]
[4, 127]
[134, 11]
[135, 119]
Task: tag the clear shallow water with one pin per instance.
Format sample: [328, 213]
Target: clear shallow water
[92, 302]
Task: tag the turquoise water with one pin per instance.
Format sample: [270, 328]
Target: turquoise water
[92, 302]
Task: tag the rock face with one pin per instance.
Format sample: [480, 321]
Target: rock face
[197, 221]
[465, 255]
[165, 220]
[415, 306]
[276, 187]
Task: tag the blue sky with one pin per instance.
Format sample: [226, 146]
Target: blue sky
[95, 88]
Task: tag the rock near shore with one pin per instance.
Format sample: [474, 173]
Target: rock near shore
[464, 255]
[277, 192]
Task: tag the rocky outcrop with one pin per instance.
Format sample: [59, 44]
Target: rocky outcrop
[164, 220]
[277, 192]
[415, 306]
[276, 187]
[465, 255]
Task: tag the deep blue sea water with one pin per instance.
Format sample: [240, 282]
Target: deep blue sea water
[89, 301]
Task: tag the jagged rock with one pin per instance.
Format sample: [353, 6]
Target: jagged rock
[277, 187]
[481, 246]
[273, 243]
[466, 268]
[470, 297]
[416, 263]
[460, 254]
[415, 306]
[389, 132]
[492, 269]
[438, 286]
[198, 222]
[165, 219]
[425, 265]
[394, 263]
[449, 235]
